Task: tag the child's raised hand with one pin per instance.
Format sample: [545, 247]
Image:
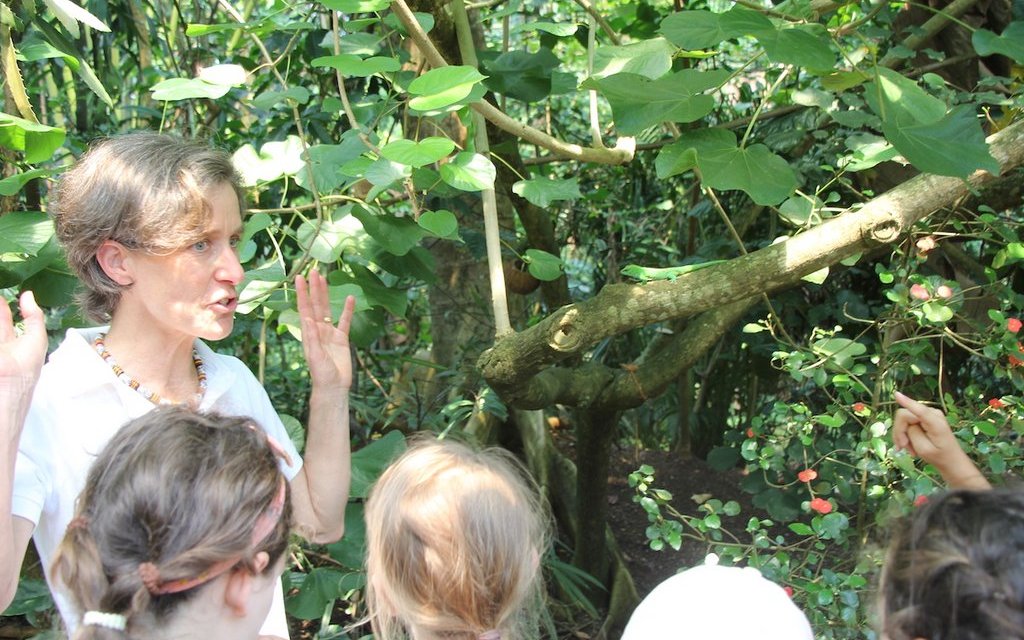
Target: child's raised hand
[925, 433]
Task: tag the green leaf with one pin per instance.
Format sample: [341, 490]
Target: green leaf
[32, 596]
[639, 103]
[469, 172]
[801, 529]
[318, 589]
[13, 184]
[326, 242]
[268, 99]
[418, 154]
[703, 29]
[37, 141]
[649, 58]
[755, 170]
[1012, 253]
[560, 29]
[542, 265]
[397, 235]
[188, 88]
[356, 6]
[230, 75]
[840, 351]
[868, 151]
[917, 124]
[802, 45]
[441, 223]
[442, 87]
[26, 232]
[1009, 44]
[351, 550]
[522, 75]
[356, 66]
[723, 458]
[197, 30]
[370, 461]
[274, 159]
[372, 291]
[383, 173]
[327, 159]
[937, 312]
[543, 191]
[816, 277]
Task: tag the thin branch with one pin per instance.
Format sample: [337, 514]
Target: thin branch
[621, 154]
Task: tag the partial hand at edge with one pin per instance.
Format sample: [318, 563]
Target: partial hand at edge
[21, 356]
[924, 432]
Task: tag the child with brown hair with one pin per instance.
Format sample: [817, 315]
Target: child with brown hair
[454, 540]
[956, 570]
[180, 531]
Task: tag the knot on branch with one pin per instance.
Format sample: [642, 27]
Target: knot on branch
[567, 337]
[883, 229]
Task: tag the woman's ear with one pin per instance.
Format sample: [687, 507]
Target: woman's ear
[113, 258]
[239, 585]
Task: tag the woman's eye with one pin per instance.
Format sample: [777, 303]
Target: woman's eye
[201, 246]
[234, 242]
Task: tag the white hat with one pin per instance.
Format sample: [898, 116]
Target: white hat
[723, 603]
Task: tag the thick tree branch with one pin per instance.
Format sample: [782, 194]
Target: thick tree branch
[621, 154]
[622, 307]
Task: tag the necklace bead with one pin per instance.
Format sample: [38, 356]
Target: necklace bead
[101, 348]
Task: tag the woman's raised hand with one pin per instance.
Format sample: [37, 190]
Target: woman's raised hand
[21, 356]
[325, 343]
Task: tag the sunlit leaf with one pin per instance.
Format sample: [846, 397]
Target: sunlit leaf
[356, 6]
[542, 265]
[418, 153]
[649, 58]
[469, 172]
[37, 141]
[803, 45]
[187, 88]
[269, 99]
[13, 184]
[441, 87]
[230, 75]
[70, 14]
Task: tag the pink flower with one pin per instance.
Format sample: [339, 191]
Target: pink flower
[926, 244]
[821, 505]
[858, 407]
[788, 590]
[920, 500]
[750, 433]
[918, 291]
[807, 475]
[944, 292]
[996, 403]
[1013, 325]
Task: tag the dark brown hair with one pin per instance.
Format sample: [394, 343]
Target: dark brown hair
[145, 190]
[176, 488]
[956, 569]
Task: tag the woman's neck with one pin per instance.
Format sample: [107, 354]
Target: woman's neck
[159, 362]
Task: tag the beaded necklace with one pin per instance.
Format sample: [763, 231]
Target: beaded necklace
[101, 349]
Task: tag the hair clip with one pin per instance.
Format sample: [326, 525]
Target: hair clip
[114, 621]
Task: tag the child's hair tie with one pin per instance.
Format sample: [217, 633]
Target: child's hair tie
[114, 621]
[493, 634]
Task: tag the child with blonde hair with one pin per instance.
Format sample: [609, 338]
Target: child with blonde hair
[454, 540]
[180, 531]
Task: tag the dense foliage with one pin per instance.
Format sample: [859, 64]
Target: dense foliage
[735, 127]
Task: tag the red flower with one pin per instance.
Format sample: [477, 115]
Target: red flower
[821, 505]
[788, 590]
[1014, 360]
[750, 433]
[920, 500]
[858, 407]
[807, 475]
[918, 291]
[1013, 325]
[944, 292]
[996, 403]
